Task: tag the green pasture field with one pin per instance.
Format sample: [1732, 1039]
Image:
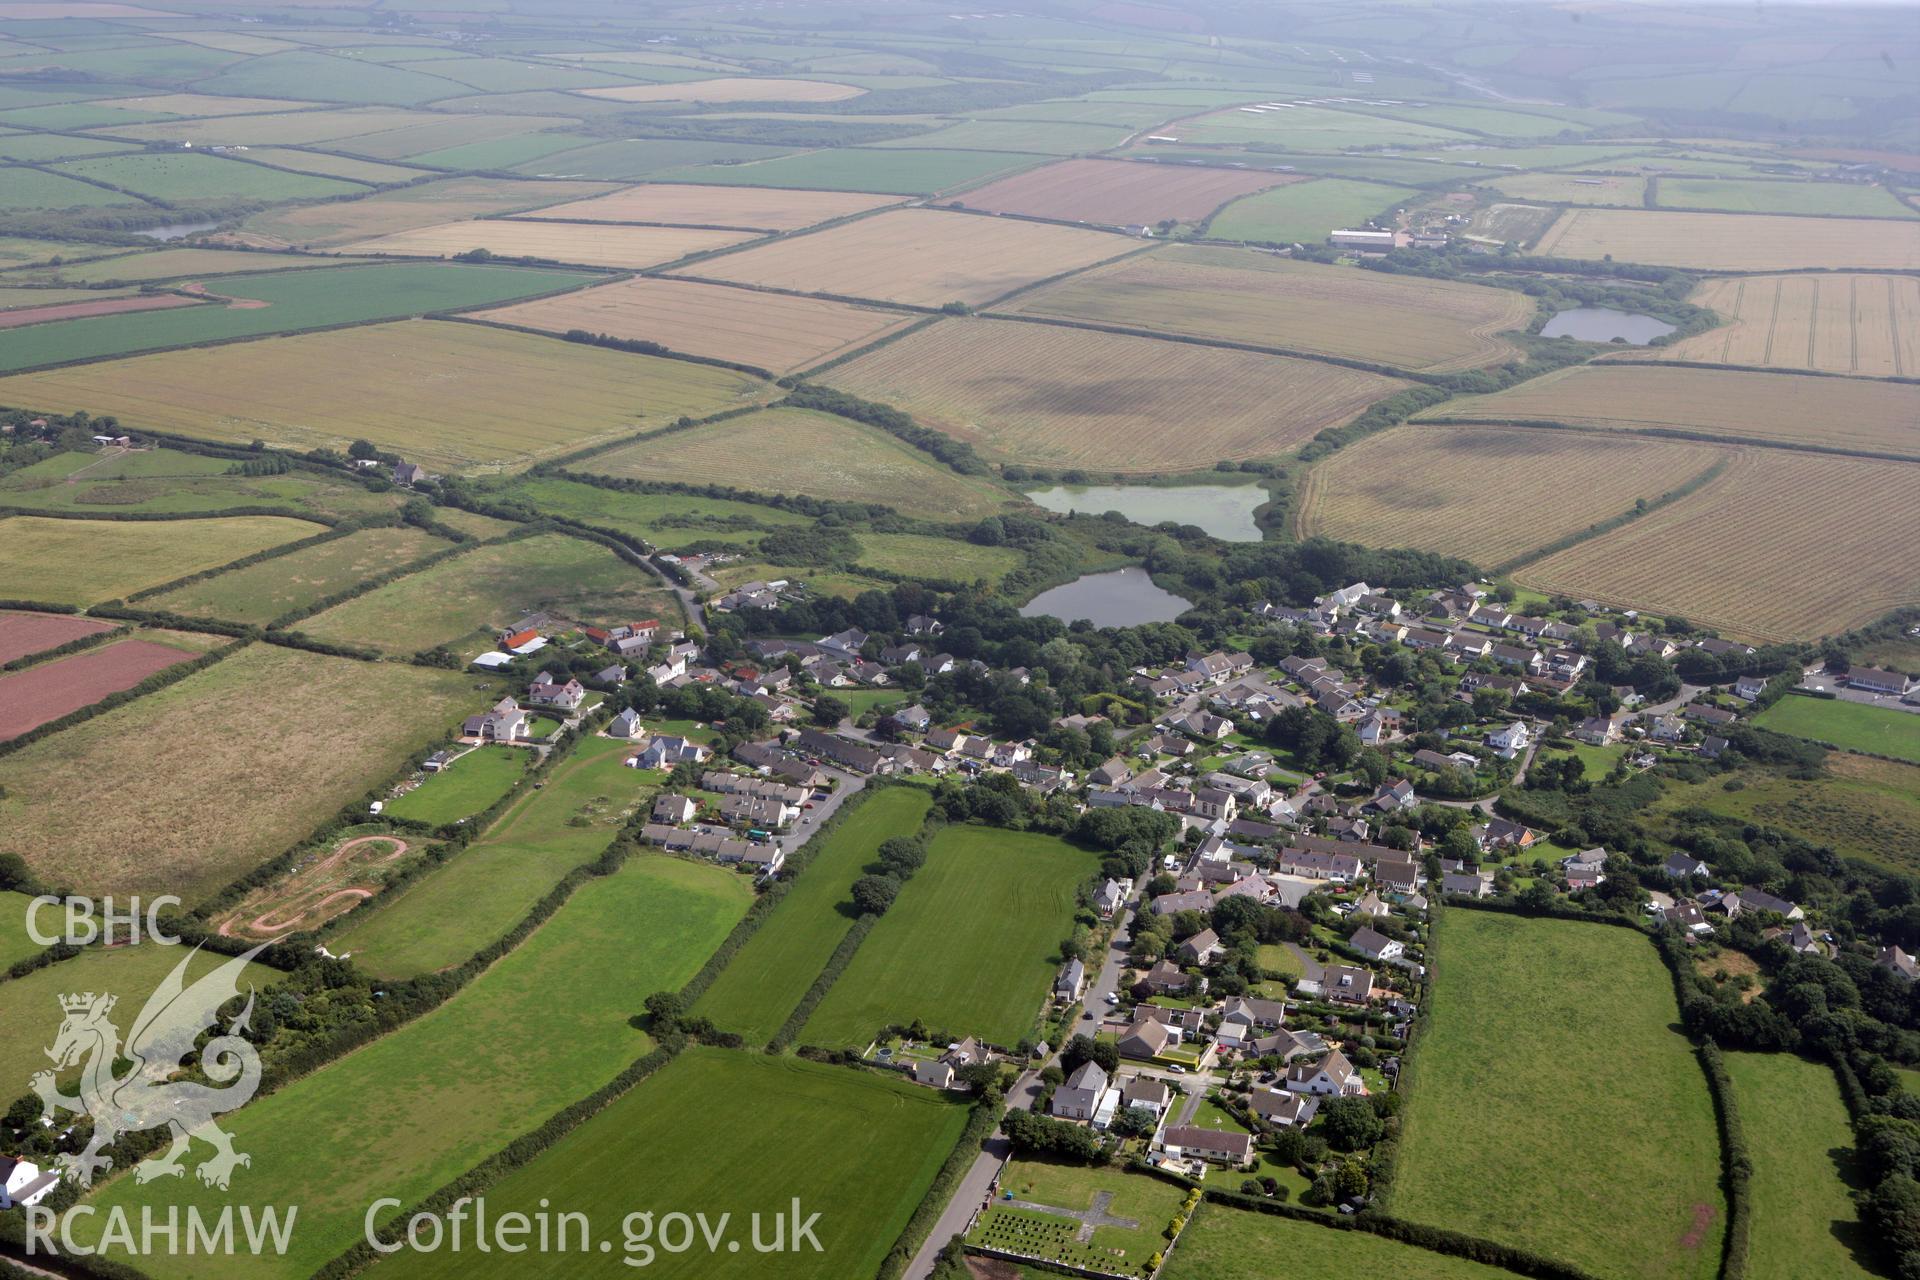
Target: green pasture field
[85, 562]
[1396, 169]
[630, 159]
[860, 1148]
[72, 115]
[31, 1004]
[294, 301]
[262, 592]
[505, 75]
[861, 701]
[15, 945]
[644, 513]
[920, 556]
[1240, 1244]
[765, 980]
[170, 264]
[157, 60]
[22, 251]
[970, 947]
[1150, 1201]
[166, 481]
[1851, 726]
[40, 189]
[239, 728]
[1315, 129]
[1304, 211]
[188, 178]
[1528, 1014]
[447, 603]
[821, 455]
[897, 172]
[1059, 138]
[1862, 807]
[480, 894]
[37, 147]
[442, 1093]
[325, 78]
[1804, 1220]
[471, 783]
[1757, 195]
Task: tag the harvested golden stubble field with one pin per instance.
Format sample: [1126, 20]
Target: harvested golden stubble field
[922, 257]
[774, 331]
[1733, 241]
[450, 396]
[239, 729]
[689, 205]
[1863, 324]
[1851, 414]
[797, 451]
[591, 244]
[731, 89]
[1781, 546]
[1487, 494]
[1237, 295]
[404, 209]
[1053, 396]
[1119, 193]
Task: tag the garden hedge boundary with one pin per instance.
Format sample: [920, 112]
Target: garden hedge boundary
[333, 534]
[966, 1149]
[836, 965]
[1735, 1161]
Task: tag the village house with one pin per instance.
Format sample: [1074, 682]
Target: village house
[1346, 984]
[1510, 741]
[1079, 1098]
[1466, 884]
[1898, 963]
[504, 722]
[935, 1074]
[666, 751]
[1242, 1019]
[1680, 866]
[1072, 982]
[674, 810]
[1146, 1038]
[1331, 1076]
[1216, 1146]
[1283, 1108]
[1145, 1093]
[1168, 979]
[1744, 900]
[1201, 948]
[1375, 945]
[545, 691]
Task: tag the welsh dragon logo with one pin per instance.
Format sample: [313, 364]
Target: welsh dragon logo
[145, 1097]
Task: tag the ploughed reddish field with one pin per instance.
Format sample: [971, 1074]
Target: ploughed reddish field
[32, 697]
[25, 633]
[103, 307]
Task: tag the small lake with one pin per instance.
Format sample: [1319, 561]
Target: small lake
[1122, 598]
[176, 230]
[1604, 324]
[1223, 510]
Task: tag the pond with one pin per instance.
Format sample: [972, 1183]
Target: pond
[1604, 324]
[176, 230]
[1223, 510]
[1121, 598]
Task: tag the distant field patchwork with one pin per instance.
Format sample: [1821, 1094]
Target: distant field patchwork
[1117, 193]
[598, 245]
[1427, 487]
[917, 256]
[689, 205]
[777, 332]
[1235, 295]
[1053, 396]
[47, 691]
[1782, 546]
[262, 592]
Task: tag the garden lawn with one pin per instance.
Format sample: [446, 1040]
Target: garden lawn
[486, 889]
[455, 599]
[1149, 1201]
[766, 978]
[84, 562]
[723, 1132]
[1240, 1244]
[1804, 1222]
[547, 1024]
[1550, 1038]
[1851, 726]
[465, 787]
[969, 948]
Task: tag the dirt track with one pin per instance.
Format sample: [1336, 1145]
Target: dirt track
[306, 901]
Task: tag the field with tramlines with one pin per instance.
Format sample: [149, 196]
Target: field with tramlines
[919, 256]
[1850, 414]
[1239, 296]
[593, 243]
[1864, 324]
[774, 331]
[1054, 396]
[1780, 546]
[1733, 241]
[1426, 487]
[692, 205]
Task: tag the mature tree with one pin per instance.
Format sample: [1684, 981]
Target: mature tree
[1350, 1124]
[1084, 1048]
[874, 894]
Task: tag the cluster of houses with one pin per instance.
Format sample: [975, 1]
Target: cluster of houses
[751, 812]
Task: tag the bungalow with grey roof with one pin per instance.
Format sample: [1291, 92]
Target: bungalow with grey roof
[1374, 945]
[1216, 1146]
